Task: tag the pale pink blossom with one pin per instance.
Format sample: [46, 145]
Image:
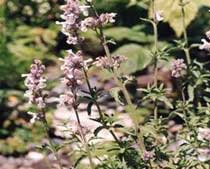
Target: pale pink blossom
[208, 34]
[204, 154]
[35, 82]
[147, 155]
[72, 68]
[178, 68]
[158, 16]
[89, 22]
[34, 117]
[109, 63]
[71, 19]
[67, 99]
[204, 134]
[205, 45]
[106, 18]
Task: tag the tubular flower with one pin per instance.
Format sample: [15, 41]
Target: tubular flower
[178, 68]
[106, 18]
[204, 134]
[73, 22]
[71, 19]
[67, 99]
[72, 69]
[110, 63]
[73, 77]
[158, 16]
[89, 22]
[205, 45]
[147, 156]
[208, 34]
[35, 82]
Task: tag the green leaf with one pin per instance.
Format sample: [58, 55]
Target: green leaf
[137, 115]
[79, 160]
[123, 33]
[89, 108]
[190, 91]
[114, 92]
[166, 101]
[172, 12]
[98, 129]
[138, 58]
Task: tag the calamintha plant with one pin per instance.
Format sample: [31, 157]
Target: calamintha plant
[154, 140]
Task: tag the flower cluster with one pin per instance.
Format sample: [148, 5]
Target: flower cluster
[147, 156]
[110, 63]
[178, 68]
[204, 134]
[73, 22]
[206, 44]
[204, 154]
[72, 69]
[94, 22]
[73, 76]
[35, 82]
[71, 16]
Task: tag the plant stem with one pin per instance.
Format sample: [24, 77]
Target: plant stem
[127, 97]
[51, 144]
[116, 77]
[154, 23]
[186, 48]
[99, 109]
[140, 141]
[92, 165]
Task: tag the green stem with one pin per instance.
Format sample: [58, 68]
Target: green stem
[186, 48]
[99, 109]
[51, 144]
[117, 79]
[155, 29]
[156, 52]
[140, 141]
[92, 165]
[116, 76]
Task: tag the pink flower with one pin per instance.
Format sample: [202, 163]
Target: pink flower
[67, 99]
[158, 16]
[208, 34]
[106, 18]
[204, 134]
[178, 68]
[71, 19]
[109, 63]
[204, 154]
[35, 82]
[104, 62]
[40, 102]
[147, 156]
[34, 117]
[205, 45]
[73, 65]
[89, 22]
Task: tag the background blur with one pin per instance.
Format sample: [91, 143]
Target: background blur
[28, 31]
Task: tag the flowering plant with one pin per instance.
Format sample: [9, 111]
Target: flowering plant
[153, 139]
